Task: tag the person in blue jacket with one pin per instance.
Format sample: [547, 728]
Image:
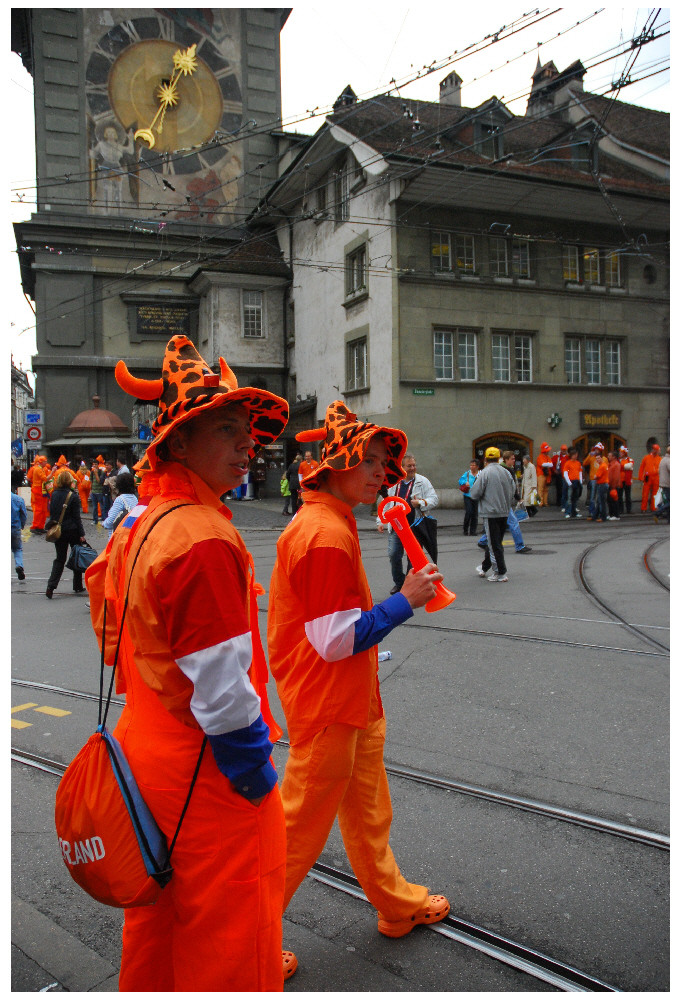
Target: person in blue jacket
[19, 516]
[470, 517]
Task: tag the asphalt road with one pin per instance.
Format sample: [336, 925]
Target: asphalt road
[529, 688]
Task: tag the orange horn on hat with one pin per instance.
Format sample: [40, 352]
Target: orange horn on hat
[227, 375]
[318, 434]
[142, 388]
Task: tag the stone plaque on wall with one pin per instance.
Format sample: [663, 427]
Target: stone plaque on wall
[163, 320]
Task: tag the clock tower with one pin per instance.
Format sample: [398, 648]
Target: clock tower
[157, 133]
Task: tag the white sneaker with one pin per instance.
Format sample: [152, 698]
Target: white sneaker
[567, 517]
[480, 571]
[495, 578]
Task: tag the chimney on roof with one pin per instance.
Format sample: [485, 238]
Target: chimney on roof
[347, 98]
[450, 90]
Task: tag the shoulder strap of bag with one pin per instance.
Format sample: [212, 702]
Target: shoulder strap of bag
[102, 718]
[66, 503]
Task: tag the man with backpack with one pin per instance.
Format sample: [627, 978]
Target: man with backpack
[191, 663]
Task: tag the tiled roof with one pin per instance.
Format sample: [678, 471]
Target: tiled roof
[258, 253]
[427, 130]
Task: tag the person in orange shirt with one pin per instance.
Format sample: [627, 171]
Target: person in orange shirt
[323, 630]
[192, 666]
[84, 486]
[602, 489]
[572, 477]
[39, 496]
[590, 464]
[544, 471]
[648, 474]
[308, 465]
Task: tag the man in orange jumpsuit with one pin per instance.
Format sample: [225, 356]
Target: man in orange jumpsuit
[84, 486]
[41, 472]
[191, 663]
[648, 474]
[544, 471]
[323, 628]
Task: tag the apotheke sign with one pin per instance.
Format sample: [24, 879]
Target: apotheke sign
[600, 420]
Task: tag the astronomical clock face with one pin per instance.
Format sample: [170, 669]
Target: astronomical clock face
[163, 94]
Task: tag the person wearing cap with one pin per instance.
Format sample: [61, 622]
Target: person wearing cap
[190, 664]
[322, 632]
[627, 464]
[544, 471]
[648, 474]
[494, 490]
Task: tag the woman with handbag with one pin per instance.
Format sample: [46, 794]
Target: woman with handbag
[470, 517]
[65, 512]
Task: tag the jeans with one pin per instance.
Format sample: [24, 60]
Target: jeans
[470, 517]
[571, 501]
[98, 506]
[17, 549]
[592, 497]
[663, 509]
[395, 553]
[513, 526]
[495, 529]
[602, 501]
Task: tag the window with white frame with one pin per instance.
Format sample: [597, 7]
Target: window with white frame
[509, 257]
[341, 193]
[512, 357]
[356, 361]
[356, 271]
[498, 257]
[455, 355]
[573, 371]
[441, 251]
[591, 261]
[452, 252]
[252, 313]
[592, 266]
[593, 361]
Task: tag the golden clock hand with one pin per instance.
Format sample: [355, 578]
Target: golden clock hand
[185, 64]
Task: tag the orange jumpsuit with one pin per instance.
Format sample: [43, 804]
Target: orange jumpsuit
[191, 662]
[84, 487]
[39, 497]
[332, 706]
[544, 476]
[649, 475]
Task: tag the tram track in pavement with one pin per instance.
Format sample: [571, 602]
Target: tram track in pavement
[524, 958]
[646, 563]
[650, 838]
[607, 608]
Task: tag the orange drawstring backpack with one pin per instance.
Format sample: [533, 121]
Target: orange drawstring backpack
[111, 844]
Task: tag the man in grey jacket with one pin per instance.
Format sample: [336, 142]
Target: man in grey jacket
[494, 490]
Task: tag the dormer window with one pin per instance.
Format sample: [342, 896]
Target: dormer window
[489, 140]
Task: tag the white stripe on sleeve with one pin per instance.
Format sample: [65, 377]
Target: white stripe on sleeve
[333, 636]
[224, 698]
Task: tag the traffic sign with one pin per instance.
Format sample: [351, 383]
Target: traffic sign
[33, 434]
[34, 417]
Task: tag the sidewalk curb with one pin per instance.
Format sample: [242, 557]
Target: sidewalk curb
[63, 957]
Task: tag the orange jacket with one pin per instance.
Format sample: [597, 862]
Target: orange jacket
[83, 479]
[589, 464]
[191, 628]
[573, 469]
[306, 468]
[41, 474]
[541, 471]
[319, 583]
[649, 466]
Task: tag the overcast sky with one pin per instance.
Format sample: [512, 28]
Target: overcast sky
[366, 45]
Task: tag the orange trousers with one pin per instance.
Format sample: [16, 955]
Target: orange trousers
[543, 490]
[340, 771]
[649, 490]
[84, 494]
[217, 925]
[39, 505]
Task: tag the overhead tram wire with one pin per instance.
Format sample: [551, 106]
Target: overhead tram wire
[213, 235]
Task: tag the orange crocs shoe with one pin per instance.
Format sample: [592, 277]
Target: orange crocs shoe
[290, 963]
[436, 909]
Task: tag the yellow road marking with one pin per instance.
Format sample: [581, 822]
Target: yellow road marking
[52, 711]
[21, 708]
[18, 724]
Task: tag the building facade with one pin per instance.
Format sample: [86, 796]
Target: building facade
[476, 277]
[22, 400]
[142, 205]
